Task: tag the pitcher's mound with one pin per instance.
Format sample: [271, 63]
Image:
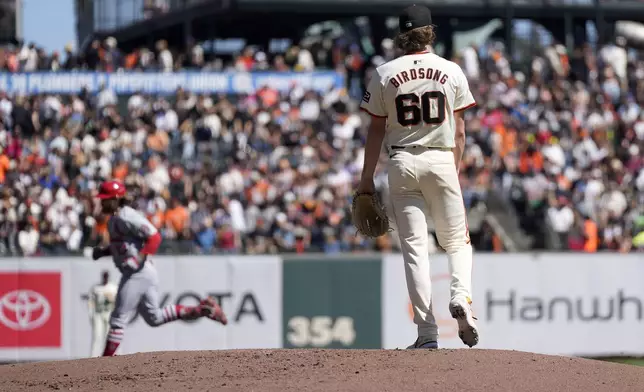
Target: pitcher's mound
[325, 370]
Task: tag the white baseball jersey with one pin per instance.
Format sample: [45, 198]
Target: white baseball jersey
[102, 297]
[418, 94]
[128, 230]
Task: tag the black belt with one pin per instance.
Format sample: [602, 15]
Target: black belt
[417, 146]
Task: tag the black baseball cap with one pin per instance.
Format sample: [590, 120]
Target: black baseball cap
[413, 17]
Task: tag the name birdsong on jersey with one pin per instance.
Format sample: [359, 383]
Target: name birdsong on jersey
[419, 73]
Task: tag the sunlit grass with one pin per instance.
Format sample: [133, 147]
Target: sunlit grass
[627, 361]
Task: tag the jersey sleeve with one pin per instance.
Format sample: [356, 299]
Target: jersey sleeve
[372, 101]
[463, 98]
[140, 227]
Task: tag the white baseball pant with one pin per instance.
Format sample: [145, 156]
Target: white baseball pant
[423, 182]
[139, 290]
[100, 327]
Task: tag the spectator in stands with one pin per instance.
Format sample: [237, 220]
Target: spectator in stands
[229, 241]
[562, 219]
[92, 58]
[28, 58]
[273, 171]
[112, 57]
[28, 239]
[72, 61]
[177, 220]
[205, 236]
[166, 63]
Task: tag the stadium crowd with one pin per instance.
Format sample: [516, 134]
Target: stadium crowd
[106, 56]
[273, 172]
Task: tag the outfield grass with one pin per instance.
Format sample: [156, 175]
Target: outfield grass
[628, 361]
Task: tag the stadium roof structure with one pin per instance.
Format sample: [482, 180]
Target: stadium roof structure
[205, 19]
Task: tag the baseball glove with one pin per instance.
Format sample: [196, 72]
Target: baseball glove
[369, 215]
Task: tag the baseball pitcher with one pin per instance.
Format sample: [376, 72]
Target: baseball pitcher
[133, 239]
[100, 306]
[416, 103]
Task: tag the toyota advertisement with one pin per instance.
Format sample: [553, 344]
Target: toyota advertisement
[44, 310]
[30, 309]
[34, 310]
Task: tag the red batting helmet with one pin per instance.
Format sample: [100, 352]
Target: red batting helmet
[111, 190]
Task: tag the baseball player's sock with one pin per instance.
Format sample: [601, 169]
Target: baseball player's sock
[460, 267]
[114, 338]
[176, 312]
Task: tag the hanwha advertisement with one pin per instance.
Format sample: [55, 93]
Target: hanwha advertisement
[561, 304]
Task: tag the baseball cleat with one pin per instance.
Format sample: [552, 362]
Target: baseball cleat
[467, 330]
[211, 309]
[426, 344]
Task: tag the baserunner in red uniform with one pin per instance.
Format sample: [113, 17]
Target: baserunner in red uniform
[133, 239]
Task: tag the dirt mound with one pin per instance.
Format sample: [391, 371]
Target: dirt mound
[324, 370]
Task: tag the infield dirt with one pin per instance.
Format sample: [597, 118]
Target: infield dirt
[325, 370]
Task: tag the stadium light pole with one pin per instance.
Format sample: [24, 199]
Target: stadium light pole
[600, 23]
[19, 21]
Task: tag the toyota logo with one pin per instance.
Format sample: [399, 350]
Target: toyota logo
[24, 310]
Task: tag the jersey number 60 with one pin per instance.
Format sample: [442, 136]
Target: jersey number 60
[409, 113]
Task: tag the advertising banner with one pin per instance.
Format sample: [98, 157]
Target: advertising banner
[34, 310]
[566, 304]
[44, 306]
[332, 303]
[248, 288]
[166, 83]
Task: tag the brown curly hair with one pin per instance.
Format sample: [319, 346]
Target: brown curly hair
[415, 40]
